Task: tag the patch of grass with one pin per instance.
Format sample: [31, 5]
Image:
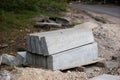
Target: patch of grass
[16, 13]
[11, 20]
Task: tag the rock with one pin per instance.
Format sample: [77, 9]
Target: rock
[21, 58]
[62, 21]
[90, 25]
[8, 60]
[4, 75]
[111, 64]
[61, 61]
[114, 58]
[47, 24]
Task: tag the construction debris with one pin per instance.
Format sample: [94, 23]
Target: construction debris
[59, 20]
[18, 60]
[46, 24]
[57, 49]
[3, 46]
[8, 60]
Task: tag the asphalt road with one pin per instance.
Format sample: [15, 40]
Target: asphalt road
[105, 9]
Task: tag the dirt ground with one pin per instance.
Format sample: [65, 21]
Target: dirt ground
[40, 74]
[106, 35]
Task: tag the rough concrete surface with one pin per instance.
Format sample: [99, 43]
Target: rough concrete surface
[67, 59]
[57, 41]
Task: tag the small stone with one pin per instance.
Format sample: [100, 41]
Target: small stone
[68, 72]
[114, 58]
[4, 75]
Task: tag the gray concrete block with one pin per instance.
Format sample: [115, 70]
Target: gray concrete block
[36, 60]
[28, 43]
[21, 58]
[33, 44]
[106, 77]
[64, 60]
[53, 42]
[74, 57]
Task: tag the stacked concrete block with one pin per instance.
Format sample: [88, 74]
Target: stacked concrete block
[61, 49]
[52, 42]
[72, 58]
[37, 60]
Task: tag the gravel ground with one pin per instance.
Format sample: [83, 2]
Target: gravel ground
[40, 74]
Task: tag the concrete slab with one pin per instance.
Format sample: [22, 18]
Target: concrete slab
[33, 44]
[106, 77]
[38, 45]
[36, 60]
[65, 60]
[53, 42]
[74, 57]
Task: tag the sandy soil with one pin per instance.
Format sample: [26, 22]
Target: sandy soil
[40, 74]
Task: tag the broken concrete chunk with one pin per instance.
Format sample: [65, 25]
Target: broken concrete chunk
[106, 77]
[3, 46]
[64, 60]
[21, 58]
[46, 24]
[62, 21]
[8, 60]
